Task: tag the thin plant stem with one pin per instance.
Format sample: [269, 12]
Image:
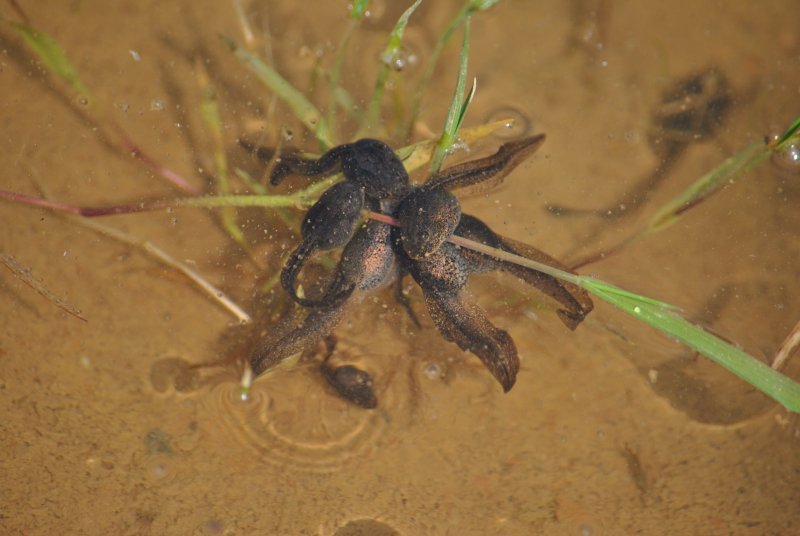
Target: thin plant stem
[787, 348]
[25, 274]
[167, 259]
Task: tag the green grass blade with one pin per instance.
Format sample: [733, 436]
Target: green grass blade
[302, 108]
[469, 8]
[458, 107]
[52, 56]
[724, 174]
[791, 131]
[340, 95]
[209, 112]
[771, 382]
[665, 318]
[591, 284]
[390, 52]
[359, 9]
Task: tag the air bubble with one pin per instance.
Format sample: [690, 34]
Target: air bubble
[787, 159]
[518, 125]
[402, 59]
[376, 10]
[432, 371]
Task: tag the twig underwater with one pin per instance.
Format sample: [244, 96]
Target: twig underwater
[25, 274]
[661, 316]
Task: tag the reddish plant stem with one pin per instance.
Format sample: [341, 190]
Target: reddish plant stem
[135, 151]
[87, 212]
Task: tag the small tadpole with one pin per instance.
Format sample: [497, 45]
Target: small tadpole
[350, 383]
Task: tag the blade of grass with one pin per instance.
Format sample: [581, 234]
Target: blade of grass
[53, 56]
[56, 60]
[663, 317]
[209, 112]
[302, 108]
[790, 132]
[727, 173]
[244, 24]
[340, 95]
[470, 7]
[458, 108]
[388, 56]
[759, 375]
[162, 256]
[730, 171]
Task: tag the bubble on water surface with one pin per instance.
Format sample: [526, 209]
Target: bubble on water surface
[518, 126]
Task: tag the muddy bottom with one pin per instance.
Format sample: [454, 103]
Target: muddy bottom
[109, 428]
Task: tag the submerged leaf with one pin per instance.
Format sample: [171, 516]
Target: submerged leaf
[52, 55]
[302, 108]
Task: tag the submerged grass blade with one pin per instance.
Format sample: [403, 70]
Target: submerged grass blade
[387, 58]
[209, 112]
[340, 95]
[302, 108]
[788, 347]
[359, 9]
[414, 157]
[56, 60]
[53, 56]
[725, 174]
[470, 7]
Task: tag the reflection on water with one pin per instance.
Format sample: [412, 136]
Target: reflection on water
[291, 422]
[292, 418]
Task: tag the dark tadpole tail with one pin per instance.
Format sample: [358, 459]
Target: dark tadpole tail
[294, 264]
[575, 301]
[491, 169]
[318, 324]
[467, 326]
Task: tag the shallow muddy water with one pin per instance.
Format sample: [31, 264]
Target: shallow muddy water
[612, 429]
